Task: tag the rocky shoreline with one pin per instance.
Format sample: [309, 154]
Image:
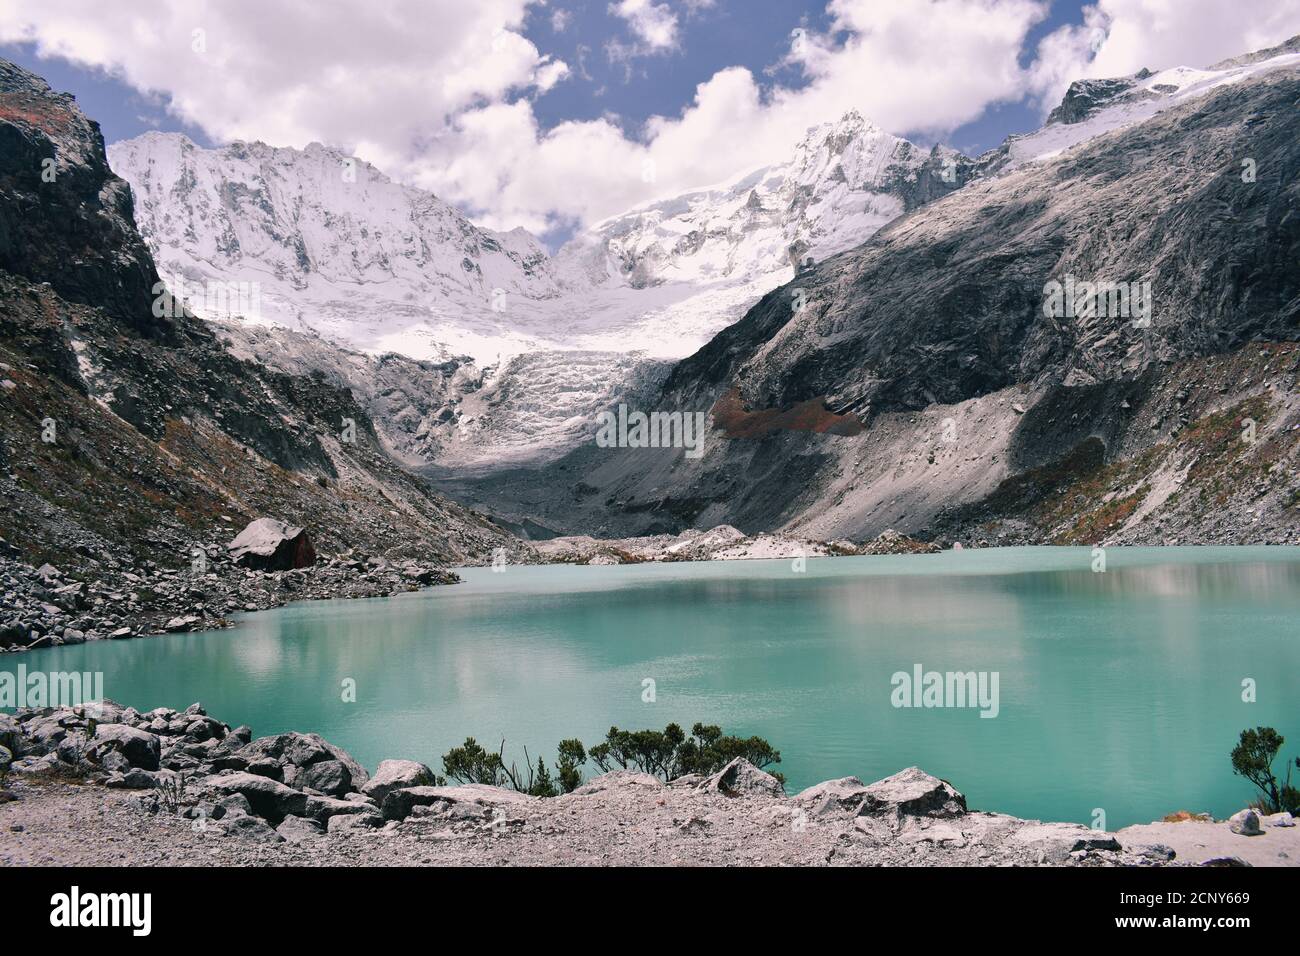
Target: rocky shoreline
[721, 543]
[46, 606]
[132, 788]
[107, 598]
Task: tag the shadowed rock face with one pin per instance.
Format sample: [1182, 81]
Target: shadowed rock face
[64, 217]
[948, 303]
[942, 315]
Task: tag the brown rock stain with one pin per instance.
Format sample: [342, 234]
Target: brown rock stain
[812, 415]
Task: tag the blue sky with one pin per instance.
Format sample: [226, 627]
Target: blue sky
[751, 33]
[547, 115]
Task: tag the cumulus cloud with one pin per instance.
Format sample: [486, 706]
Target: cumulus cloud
[653, 24]
[388, 72]
[1120, 37]
[439, 92]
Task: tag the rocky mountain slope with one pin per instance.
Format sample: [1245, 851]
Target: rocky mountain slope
[130, 434]
[933, 382]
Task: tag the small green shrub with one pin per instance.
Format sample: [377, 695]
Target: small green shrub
[668, 754]
[1253, 758]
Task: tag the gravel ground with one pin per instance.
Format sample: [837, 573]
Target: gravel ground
[622, 819]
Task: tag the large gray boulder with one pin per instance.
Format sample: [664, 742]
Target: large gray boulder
[356, 821]
[268, 544]
[914, 793]
[322, 808]
[1245, 822]
[327, 776]
[741, 776]
[140, 748]
[831, 796]
[247, 828]
[269, 798]
[295, 753]
[397, 775]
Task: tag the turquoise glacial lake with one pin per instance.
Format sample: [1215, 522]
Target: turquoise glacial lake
[1120, 690]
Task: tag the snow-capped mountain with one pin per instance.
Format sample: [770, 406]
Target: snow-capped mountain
[1092, 108]
[845, 180]
[337, 250]
[332, 244]
[336, 247]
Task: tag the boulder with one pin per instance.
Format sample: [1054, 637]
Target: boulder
[232, 803]
[247, 828]
[741, 776]
[1282, 819]
[268, 544]
[11, 733]
[268, 798]
[139, 747]
[299, 750]
[356, 821]
[618, 779]
[112, 761]
[43, 735]
[830, 796]
[1245, 822]
[327, 776]
[397, 775]
[296, 829]
[397, 805]
[1054, 842]
[912, 792]
[322, 808]
[133, 779]
[265, 767]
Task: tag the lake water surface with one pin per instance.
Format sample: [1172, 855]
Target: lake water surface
[1119, 690]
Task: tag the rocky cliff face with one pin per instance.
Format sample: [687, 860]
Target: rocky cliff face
[52, 170]
[125, 432]
[929, 377]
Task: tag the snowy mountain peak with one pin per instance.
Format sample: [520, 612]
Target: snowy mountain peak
[845, 179]
[333, 243]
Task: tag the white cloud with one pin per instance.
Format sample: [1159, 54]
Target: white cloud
[560, 20]
[438, 92]
[1120, 37]
[910, 65]
[653, 24]
[386, 72]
